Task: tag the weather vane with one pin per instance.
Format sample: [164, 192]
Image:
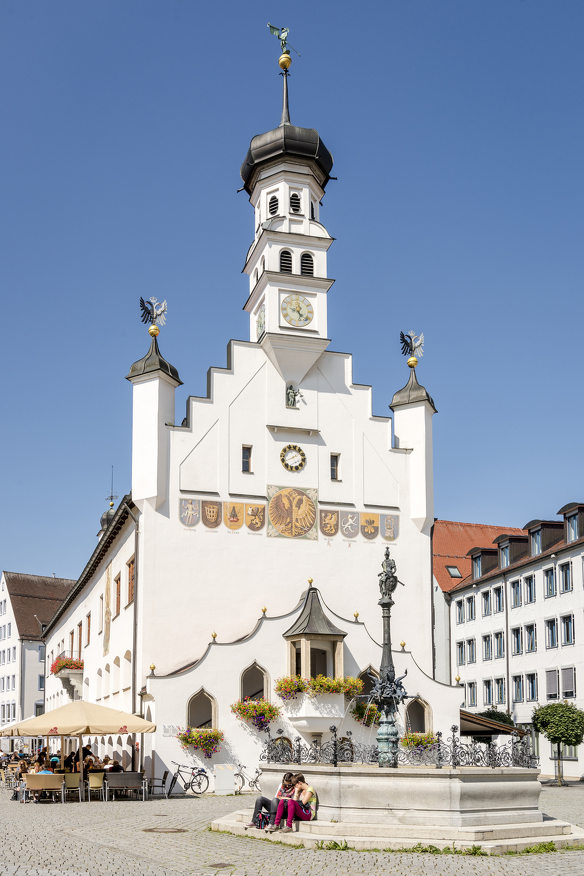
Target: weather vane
[153, 312]
[282, 34]
[412, 345]
[112, 496]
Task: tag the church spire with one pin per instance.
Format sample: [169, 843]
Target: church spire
[285, 120]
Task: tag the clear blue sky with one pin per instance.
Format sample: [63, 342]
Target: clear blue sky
[457, 132]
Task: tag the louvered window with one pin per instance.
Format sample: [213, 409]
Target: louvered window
[273, 205]
[306, 264]
[551, 684]
[286, 262]
[295, 203]
[569, 682]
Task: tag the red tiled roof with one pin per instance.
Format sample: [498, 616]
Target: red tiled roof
[32, 595]
[451, 541]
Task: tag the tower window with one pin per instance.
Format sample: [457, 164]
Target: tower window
[246, 459]
[286, 262]
[295, 203]
[273, 205]
[307, 264]
[334, 466]
[312, 211]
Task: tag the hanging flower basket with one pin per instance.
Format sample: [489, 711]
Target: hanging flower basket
[65, 663]
[207, 741]
[366, 714]
[257, 712]
[290, 686]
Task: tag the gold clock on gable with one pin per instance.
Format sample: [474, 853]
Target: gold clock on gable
[293, 457]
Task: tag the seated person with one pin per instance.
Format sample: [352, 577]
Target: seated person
[285, 791]
[46, 770]
[107, 764]
[302, 805]
[115, 767]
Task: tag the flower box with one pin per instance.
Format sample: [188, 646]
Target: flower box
[315, 714]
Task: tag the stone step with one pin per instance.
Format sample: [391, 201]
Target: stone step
[361, 842]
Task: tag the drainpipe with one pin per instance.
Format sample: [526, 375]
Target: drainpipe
[135, 630]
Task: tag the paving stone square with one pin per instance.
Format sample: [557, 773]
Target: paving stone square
[124, 837]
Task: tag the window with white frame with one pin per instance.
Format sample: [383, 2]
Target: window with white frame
[471, 693]
[459, 611]
[488, 692]
[476, 566]
[460, 653]
[515, 594]
[552, 690]
[9, 633]
[470, 608]
[530, 638]
[41, 653]
[499, 644]
[487, 648]
[41, 682]
[535, 540]
[569, 682]
[567, 622]
[530, 589]
[499, 690]
[551, 633]
[504, 556]
[517, 688]
[572, 527]
[14, 654]
[498, 602]
[486, 603]
[566, 577]
[516, 641]
[471, 651]
[549, 583]
[531, 687]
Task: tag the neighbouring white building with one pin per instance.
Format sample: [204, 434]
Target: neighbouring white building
[199, 591]
[27, 603]
[517, 623]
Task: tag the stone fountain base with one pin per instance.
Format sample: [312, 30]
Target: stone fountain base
[399, 808]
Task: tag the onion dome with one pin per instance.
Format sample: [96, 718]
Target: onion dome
[411, 393]
[286, 139]
[153, 361]
[107, 517]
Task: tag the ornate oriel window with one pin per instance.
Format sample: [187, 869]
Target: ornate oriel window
[315, 644]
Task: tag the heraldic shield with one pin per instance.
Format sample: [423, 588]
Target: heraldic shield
[389, 526]
[350, 524]
[255, 517]
[329, 522]
[189, 511]
[233, 515]
[369, 525]
[211, 514]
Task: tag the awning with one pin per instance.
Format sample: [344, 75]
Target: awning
[476, 725]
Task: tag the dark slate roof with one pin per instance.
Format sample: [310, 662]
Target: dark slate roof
[32, 595]
[312, 619]
[412, 392]
[153, 361]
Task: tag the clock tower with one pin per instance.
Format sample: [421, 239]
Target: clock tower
[285, 173]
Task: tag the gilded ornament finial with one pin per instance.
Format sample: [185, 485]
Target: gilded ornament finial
[152, 667]
[355, 614]
[310, 580]
[264, 609]
[213, 636]
[412, 345]
[402, 645]
[457, 679]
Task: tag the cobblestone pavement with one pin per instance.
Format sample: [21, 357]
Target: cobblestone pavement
[98, 839]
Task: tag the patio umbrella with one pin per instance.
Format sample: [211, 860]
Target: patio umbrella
[80, 718]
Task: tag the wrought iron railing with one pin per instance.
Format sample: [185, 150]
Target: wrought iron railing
[442, 753]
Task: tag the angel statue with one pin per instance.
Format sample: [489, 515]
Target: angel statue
[153, 311]
[282, 34]
[412, 344]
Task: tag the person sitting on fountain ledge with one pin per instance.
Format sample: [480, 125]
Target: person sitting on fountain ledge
[285, 791]
[302, 805]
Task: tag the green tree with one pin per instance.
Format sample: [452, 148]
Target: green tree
[562, 724]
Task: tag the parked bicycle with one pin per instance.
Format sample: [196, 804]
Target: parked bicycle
[241, 776]
[194, 779]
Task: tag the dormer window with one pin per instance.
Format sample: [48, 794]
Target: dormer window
[307, 265]
[294, 203]
[476, 566]
[535, 539]
[286, 261]
[273, 206]
[505, 556]
[572, 527]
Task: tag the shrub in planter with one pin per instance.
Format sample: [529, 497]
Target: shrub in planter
[419, 740]
[365, 714]
[65, 663]
[258, 712]
[207, 741]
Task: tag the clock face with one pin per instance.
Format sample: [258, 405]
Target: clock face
[261, 321]
[297, 310]
[293, 457]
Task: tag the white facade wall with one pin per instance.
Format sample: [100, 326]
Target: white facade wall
[10, 661]
[518, 699]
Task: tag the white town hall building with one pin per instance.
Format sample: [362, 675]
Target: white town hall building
[279, 482]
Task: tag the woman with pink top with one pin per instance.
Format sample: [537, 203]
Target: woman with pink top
[302, 805]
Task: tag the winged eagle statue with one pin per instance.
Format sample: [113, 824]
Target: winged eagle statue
[153, 311]
[412, 344]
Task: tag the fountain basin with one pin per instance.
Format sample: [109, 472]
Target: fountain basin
[445, 797]
[315, 714]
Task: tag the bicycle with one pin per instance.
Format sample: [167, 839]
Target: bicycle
[240, 777]
[197, 782]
